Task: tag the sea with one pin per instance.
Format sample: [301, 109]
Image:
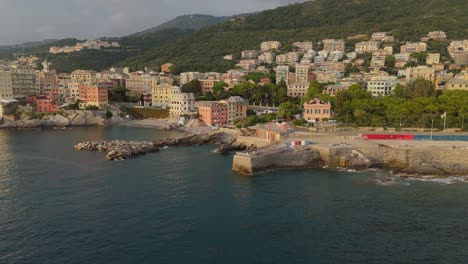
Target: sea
[185, 205]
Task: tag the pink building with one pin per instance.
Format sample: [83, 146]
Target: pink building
[213, 113]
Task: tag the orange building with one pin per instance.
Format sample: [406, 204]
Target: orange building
[316, 110]
[46, 106]
[93, 95]
[213, 113]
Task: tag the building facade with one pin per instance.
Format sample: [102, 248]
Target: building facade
[213, 113]
[382, 85]
[161, 95]
[181, 103]
[237, 108]
[420, 72]
[316, 111]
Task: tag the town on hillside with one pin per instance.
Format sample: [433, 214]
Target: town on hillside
[362, 80]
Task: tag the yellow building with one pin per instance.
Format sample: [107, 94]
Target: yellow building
[237, 108]
[457, 84]
[161, 95]
[19, 83]
[433, 58]
[138, 84]
[84, 76]
[420, 72]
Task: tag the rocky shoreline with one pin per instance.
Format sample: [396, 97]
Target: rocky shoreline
[122, 150]
[69, 118]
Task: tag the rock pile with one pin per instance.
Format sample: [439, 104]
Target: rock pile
[121, 149]
[118, 149]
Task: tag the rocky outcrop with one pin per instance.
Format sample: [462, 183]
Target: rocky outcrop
[234, 145]
[121, 150]
[68, 118]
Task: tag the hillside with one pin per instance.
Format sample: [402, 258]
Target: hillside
[203, 50]
[105, 58]
[188, 22]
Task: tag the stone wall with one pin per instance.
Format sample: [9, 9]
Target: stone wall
[259, 142]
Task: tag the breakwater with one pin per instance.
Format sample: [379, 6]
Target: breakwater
[123, 149]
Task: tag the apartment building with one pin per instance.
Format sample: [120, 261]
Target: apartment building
[382, 37]
[181, 103]
[382, 85]
[304, 46]
[249, 54]
[83, 76]
[433, 58]
[213, 113]
[420, 72]
[267, 57]
[411, 47]
[161, 95]
[93, 95]
[366, 47]
[333, 45]
[207, 84]
[437, 35]
[187, 77]
[302, 73]
[270, 45]
[138, 84]
[298, 89]
[282, 73]
[237, 108]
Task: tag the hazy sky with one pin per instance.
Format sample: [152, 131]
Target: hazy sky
[31, 20]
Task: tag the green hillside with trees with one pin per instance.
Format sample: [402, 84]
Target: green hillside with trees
[407, 20]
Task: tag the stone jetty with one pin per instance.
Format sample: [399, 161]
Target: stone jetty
[122, 149]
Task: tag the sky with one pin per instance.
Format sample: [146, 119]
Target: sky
[33, 20]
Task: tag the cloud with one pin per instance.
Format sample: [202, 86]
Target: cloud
[31, 20]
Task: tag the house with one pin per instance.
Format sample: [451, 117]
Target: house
[316, 110]
[273, 131]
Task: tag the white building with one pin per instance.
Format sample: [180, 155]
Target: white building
[182, 103]
[382, 85]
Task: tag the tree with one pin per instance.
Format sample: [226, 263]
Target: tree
[193, 87]
[108, 114]
[218, 87]
[287, 110]
[420, 88]
[315, 89]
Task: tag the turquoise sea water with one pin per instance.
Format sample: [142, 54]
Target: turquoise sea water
[184, 205]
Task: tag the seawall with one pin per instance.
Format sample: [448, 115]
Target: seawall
[449, 161]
